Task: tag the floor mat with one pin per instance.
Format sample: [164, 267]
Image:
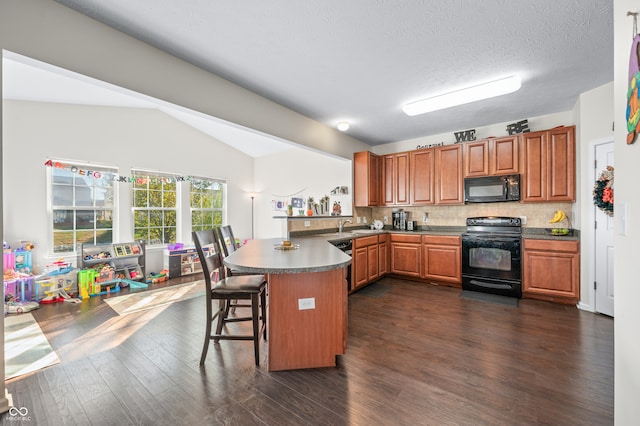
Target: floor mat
[491, 298]
[143, 300]
[26, 348]
[375, 289]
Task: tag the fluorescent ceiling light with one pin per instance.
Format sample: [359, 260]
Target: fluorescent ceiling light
[464, 96]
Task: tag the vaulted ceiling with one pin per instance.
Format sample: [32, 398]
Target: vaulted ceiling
[361, 60]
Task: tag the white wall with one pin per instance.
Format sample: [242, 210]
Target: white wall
[50, 32]
[627, 284]
[594, 111]
[123, 137]
[499, 129]
[293, 172]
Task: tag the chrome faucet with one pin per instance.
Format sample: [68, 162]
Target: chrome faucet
[341, 224]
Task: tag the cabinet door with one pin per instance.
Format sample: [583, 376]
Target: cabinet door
[533, 182]
[372, 260]
[503, 154]
[383, 258]
[421, 166]
[359, 267]
[402, 178]
[476, 158]
[548, 165]
[366, 179]
[551, 270]
[388, 175]
[395, 179]
[405, 259]
[449, 179]
[561, 163]
[441, 259]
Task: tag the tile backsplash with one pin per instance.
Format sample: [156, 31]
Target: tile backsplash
[537, 215]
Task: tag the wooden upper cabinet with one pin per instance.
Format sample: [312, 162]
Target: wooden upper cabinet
[366, 179]
[548, 161]
[561, 164]
[476, 158]
[421, 176]
[503, 156]
[491, 157]
[395, 179]
[448, 173]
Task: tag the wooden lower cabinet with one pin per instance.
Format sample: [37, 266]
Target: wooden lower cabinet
[441, 258]
[383, 254]
[405, 254]
[365, 261]
[551, 270]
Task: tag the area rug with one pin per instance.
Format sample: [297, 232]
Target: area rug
[144, 300]
[26, 348]
[375, 289]
[490, 298]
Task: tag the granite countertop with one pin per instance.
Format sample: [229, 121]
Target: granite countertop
[351, 233]
[262, 257]
[544, 234]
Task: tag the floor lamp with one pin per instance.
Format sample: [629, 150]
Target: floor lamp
[252, 195]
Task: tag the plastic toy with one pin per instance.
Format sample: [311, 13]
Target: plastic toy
[157, 278]
[59, 286]
[13, 306]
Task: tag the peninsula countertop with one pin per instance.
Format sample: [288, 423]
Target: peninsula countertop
[312, 255]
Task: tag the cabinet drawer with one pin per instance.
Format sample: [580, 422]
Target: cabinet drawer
[365, 241]
[551, 245]
[406, 238]
[441, 240]
[383, 238]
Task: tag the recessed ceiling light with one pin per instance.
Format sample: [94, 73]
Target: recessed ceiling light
[343, 126]
[464, 96]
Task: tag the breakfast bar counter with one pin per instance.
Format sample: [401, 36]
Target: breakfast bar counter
[307, 299]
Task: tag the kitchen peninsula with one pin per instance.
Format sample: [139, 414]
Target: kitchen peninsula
[307, 299]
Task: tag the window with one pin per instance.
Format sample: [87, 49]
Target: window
[154, 207]
[82, 205]
[207, 203]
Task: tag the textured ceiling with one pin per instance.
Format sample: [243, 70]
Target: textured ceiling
[361, 60]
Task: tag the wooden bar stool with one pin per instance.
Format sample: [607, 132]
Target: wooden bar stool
[226, 290]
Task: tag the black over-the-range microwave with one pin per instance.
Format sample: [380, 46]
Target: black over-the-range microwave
[492, 189]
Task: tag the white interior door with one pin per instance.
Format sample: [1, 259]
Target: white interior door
[604, 238]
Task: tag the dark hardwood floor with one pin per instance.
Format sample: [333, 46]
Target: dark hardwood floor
[418, 355]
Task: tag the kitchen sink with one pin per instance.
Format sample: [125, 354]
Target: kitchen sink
[365, 231]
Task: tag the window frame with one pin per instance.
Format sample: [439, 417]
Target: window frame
[135, 174]
[80, 168]
[213, 210]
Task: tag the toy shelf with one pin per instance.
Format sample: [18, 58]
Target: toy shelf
[126, 259]
[184, 261]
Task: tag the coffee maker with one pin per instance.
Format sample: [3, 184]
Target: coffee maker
[399, 220]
